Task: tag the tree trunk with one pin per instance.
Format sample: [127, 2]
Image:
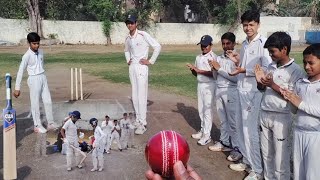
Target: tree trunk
[235, 24]
[34, 16]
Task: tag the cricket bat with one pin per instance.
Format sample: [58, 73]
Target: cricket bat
[9, 136]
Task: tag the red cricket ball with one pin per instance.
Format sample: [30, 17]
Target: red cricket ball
[164, 149]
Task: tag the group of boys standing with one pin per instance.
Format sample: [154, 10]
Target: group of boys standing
[110, 130]
[255, 92]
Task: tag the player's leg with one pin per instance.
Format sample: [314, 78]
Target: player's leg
[117, 139]
[133, 72]
[267, 144]
[199, 134]
[94, 156]
[240, 111]
[207, 109]
[299, 147]
[311, 161]
[69, 156]
[47, 102]
[251, 131]
[143, 93]
[281, 132]
[100, 158]
[223, 144]
[35, 92]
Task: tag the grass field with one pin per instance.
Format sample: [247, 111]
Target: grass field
[169, 74]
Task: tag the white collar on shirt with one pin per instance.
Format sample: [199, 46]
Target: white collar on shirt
[254, 39]
[205, 55]
[135, 34]
[274, 64]
[32, 52]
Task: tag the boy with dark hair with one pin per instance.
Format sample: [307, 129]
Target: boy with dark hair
[206, 89]
[252, 52]
[226, 99]
[136, 52]
[33, 61]
[275, 117]
[306, 100]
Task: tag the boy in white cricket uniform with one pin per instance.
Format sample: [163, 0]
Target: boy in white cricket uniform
[275, 117]
[132, 120]
[98, 145]
[125, 127]
[33, 60]
[115, 135]
[306, 100]
[70, 137]
[136, 52]
[107, 126]
[205, 90]
[252, 52]
[226, 99]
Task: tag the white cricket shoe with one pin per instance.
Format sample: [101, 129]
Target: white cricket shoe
[94, 169]
[197, 135]
[234, 155]
[40, 129]
[79, 166]
[100, 169]
[69, 169]
[140, 130]
[204, 140]
[238, 167]
[253, 176]
[218, 146]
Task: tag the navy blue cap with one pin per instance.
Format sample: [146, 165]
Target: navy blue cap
[131, 18]
[76, 114]
[205, 40]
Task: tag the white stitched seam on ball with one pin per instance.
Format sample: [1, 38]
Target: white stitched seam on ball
[163, 151]
[175, 145]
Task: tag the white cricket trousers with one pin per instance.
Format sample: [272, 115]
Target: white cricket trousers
[124, 138]
[226, 102]
[248, 127]
[97, 154]
[71, 152]
[139, 82]
[206, 94]
[38, 86]
[306, 149]
[275, 144]
[114, 137]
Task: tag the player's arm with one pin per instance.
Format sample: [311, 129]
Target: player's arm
[22, 67]
[127, 52]
[63, 133]
[155, 45]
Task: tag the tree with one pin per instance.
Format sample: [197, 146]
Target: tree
[34, 16]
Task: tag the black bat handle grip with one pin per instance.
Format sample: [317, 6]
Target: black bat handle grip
[8, 91]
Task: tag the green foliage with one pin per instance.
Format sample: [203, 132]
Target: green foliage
[13, 9]
[66, 10]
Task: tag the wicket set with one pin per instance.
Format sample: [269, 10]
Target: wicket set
[74, 84]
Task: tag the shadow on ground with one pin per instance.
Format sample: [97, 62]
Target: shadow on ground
[191, 115]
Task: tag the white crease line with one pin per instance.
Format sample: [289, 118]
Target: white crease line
[121, 107]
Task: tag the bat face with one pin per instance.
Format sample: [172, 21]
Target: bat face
[9, 136]
[9, 117]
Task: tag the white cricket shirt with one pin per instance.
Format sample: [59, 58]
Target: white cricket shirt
[308, 114]
[71, 131]
[34, 64]
[224, 80]
[202, 63]
[284, 76]
[137, 47]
